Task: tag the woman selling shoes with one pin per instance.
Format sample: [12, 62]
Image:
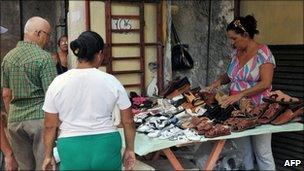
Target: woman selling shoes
[250, 73]
[82, 101]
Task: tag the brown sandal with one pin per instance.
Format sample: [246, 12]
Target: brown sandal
[259, 110]
[285, 98]
[237, 113]
[218, 130]
[205, 125]
[245, 123]
[281, 98]
[289, 115]
[246, 105]
[241, 124]
[271, 113]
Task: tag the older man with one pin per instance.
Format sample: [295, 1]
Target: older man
[27, 71]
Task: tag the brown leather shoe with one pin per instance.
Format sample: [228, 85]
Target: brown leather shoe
[274, 110]
[218, 130]
[289, 115]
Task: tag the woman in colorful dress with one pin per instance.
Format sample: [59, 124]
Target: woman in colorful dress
[80, 101]
[250, 74]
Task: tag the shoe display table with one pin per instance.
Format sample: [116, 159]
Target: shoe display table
[145, 145]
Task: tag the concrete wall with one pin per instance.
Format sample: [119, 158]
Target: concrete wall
[191, 19]
[13, 35]
[14, 15]
[50, 10]
[279, 22]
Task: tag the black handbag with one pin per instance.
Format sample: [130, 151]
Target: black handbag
[180, 59]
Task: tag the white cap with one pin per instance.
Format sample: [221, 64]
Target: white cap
[3, 29]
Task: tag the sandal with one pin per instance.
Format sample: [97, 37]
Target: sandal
[244, 123]
[196, 120]
[205, 125]
[259, 110]
[281, 98]
[217, 130]
[187, 125]
[246, 105]
[271, 113]
[290, 114]
[285, 98]
[238, 113]
[271, 99]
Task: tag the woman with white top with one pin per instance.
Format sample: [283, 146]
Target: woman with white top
[81, 101]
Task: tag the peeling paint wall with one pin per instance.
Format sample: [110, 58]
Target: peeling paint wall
[191, 19]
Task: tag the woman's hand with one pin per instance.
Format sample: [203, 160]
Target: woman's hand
[232, 99]
[49, 164]
[129, 159]
[10, 162]
[215, 85]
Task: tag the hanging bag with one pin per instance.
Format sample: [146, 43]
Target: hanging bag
[181, 59]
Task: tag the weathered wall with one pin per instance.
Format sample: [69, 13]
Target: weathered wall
[282, 25]
[14, 15]
[222, 13]
[49, 10]
[191, 19]
[12, 36]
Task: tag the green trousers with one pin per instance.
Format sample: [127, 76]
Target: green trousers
[90, 152]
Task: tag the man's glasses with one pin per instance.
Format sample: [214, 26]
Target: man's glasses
[45, 33]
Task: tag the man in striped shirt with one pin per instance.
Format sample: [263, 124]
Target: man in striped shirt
[27, 71]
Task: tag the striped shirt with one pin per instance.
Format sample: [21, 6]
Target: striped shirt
[27, 70]
[245, 77]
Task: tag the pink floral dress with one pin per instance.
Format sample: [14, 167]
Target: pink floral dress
[249, 75]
